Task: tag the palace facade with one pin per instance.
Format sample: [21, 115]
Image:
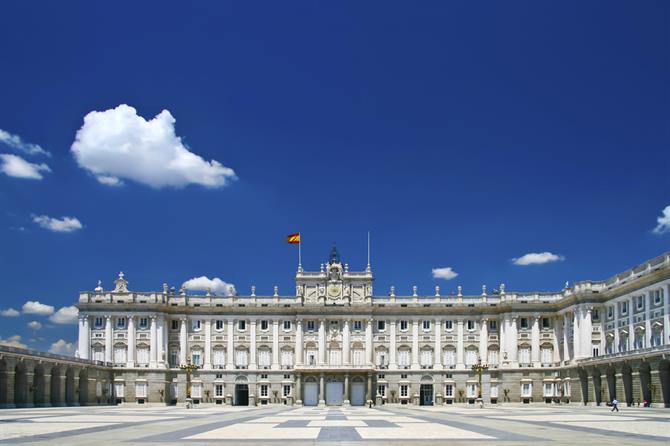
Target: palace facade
[336, 343]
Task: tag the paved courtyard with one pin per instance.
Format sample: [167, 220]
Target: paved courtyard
[510, 424]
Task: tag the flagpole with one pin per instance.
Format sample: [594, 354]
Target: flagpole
[299, 250]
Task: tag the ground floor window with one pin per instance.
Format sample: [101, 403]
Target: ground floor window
[141, 390]
[404, 391]
[218, 390]
[119, 390]
[174, 391]
[449, 390]
[287, 390]
[471, 390]
[494, 391]
[381, 390]
[526, 389]
[548, 389]
[264, 390]
[196, 390]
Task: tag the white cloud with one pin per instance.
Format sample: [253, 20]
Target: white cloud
[34, 325]
[65, 315]
[62, 347]
[537, 258]
[15, 142]
[65, 224]
[446, 273]
[216, 285]
[9, 312]
[35, 307]
[13, 341]
[663, 222]
[119, 144]
[15, 166]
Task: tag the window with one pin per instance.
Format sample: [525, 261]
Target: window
[381, 325]
[286, 390]
[121, 322]
[99, 322]
[141, 390]
[241, 359]
[196, 390]
[595, 315]
[624, 307]
[548, 389]
[174, 358]
[526, 389]
[175, 324]
[403, 376]
[264, 325]
[656, 337]
[640, 302]
[358, 357]
[358, 325]
[264, 358]
[493, 357]
[524, 355]
[425, 325]
[403, 358]
[471, 325]
[596, 350]
[287, 325]
[381, 376]
[143, 323]
[450, 358]
[470, 357]
[120, 355]
[287, 358]
[311, 357]
[98, 353]
[310, 325]
[219, 358]
[471, 390]
[493, 325]
[143, 355]
[610, 312]
[448, 325]
[426, 358]
[494, 391]
[524, 323]
[658, 296]
[547, 355]
[119, 390]
[241, 325]
[403, 325]
[196, 357]
[404, 391]
[195, 325]
[381, 390]
[264, 390]
[449, 390]
[218, 390]
[218, 325]
[546, 322]
[219, 376]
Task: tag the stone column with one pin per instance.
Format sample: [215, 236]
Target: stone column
[208, 344]
[160, 341]
[566, 337]
[183, 339]
[298, 344]
[484, 340]
[415, 344]
[298, 389]
[392, 346]
[514, 343]
[504, 349]
[647, 319]
[631, 325]
[587, 333]
[252, 336]
[576, 338]
[346, 389]
[321, 360]
[275, 344]
[368, 342]
[153, 345]
[368, 395]
[130, 358]
[108, 339]
[535, 341]
[230, 346]
[346, 343]
[555, 342]
[322, 393]
[84, 337]
[437, 359]
[460, 361]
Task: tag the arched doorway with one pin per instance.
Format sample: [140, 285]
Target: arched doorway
[611, 383]
[241, 391]
[664, 376]
[426, 391]
[83, 387]
[627, 377]
[69, 387]
[645, 382]
[20, 385]
[39, 387]
[310, 392]
[334, 391]
[56, 387]
[4, 384]
[597, 386]
[358, 391]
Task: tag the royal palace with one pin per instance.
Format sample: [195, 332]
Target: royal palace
[334, 342]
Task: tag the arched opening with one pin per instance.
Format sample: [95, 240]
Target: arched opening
[56, 387]
[83, 387]
[241, 391]
[584, 381]
[39, 387]
[357, 396]
[4, 384]
[69, 387]
[627, 377]
[664, 376]
[645, 382]
[426, 394]
[597, 386]
[611, 383]
[310, 391]
[20, 385]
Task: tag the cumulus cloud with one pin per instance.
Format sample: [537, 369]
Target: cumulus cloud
[34, 325]
[65, 315]
[13, 341]
[64, 224]
[15, 166]
[15, 142]
[119, 144]
[537, 258]
[35, 307]
[9, 312]
[446, 273]
[216, 285]
[663, 221]
[62, 347]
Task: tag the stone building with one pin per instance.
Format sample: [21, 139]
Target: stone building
[334, 342]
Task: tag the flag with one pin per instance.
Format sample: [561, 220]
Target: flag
[293, 239]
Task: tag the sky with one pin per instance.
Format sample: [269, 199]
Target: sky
[479, 142]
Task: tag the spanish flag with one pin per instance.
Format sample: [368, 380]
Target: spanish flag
[293, 239]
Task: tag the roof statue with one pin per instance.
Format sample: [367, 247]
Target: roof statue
[334, 256]
[121, 284]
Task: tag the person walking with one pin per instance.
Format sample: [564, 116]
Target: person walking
[615, 405]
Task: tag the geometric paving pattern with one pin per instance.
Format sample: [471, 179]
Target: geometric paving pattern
[531, 425]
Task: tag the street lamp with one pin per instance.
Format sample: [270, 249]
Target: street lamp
[478, 368]
[189, 368]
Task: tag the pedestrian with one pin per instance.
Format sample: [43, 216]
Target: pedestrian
[615, 405]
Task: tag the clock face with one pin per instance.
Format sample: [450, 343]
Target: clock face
[334, 290]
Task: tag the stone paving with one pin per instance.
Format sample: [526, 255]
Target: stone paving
[509, 424]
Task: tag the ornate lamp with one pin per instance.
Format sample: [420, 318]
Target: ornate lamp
[189, 368]
[478, 368]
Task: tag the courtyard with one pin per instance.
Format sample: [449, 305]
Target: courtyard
[509, 424]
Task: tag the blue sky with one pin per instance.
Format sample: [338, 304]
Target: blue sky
[461, 134]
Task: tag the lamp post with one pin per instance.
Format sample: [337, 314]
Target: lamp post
[479, 368]
[189, 368]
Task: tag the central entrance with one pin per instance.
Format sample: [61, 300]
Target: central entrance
[241, 394]
[334, 392]
[311, 392]
[426, 395]
[357, 391]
